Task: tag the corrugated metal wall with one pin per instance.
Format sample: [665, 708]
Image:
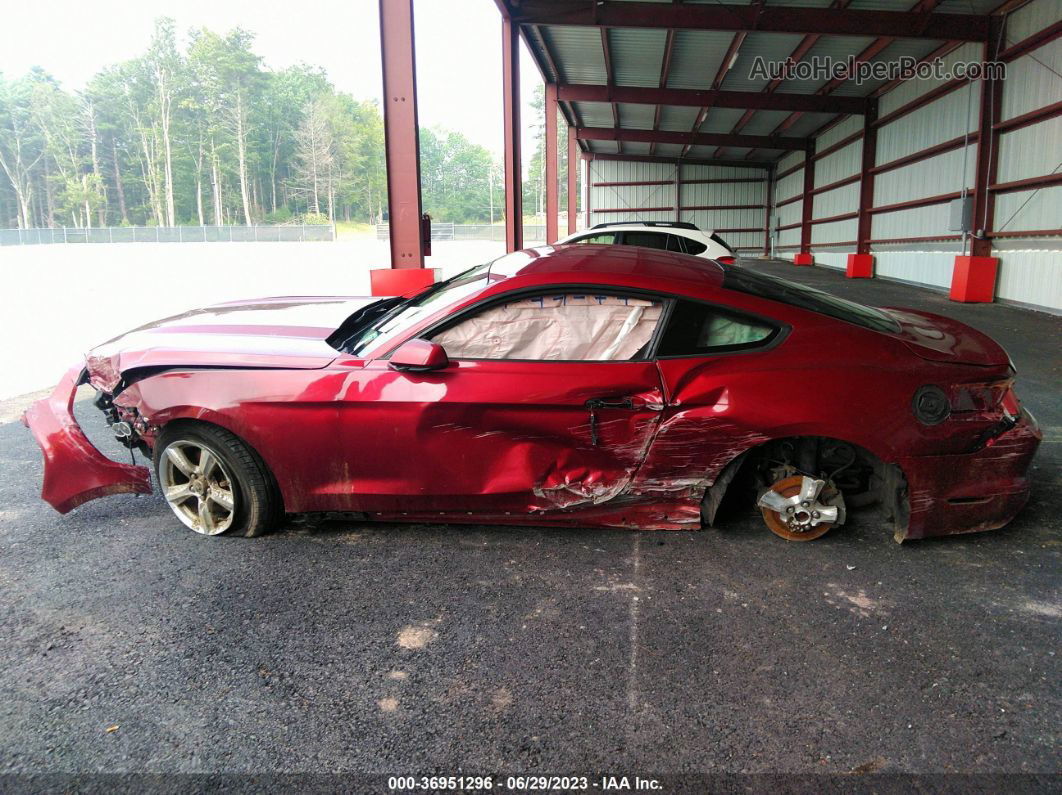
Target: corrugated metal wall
[702, 187]
[1030, 265]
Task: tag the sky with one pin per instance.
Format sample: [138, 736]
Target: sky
[458, 48]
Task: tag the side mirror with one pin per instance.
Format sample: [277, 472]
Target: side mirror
[419, 356]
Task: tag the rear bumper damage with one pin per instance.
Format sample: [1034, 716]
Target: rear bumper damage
[74, 470]
[982, 490]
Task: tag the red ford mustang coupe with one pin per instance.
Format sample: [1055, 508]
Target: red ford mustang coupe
[571, 385]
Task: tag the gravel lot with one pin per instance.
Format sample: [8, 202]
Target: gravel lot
[398, 649]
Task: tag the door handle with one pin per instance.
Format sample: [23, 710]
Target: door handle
[604, 403]
[610, 403]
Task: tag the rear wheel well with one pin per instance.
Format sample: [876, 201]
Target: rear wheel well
[863, 477]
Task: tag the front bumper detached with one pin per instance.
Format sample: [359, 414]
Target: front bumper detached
[74, 470]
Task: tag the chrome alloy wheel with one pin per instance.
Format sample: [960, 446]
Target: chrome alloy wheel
[197, 486]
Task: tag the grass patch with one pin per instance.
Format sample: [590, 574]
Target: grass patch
[352, 229]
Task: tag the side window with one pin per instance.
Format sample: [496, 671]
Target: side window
[556, 326]
[676, 243]
[696, 329]
[694, 246]
[645, 239]
[607, 238]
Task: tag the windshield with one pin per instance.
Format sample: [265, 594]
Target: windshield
[798, 295]
[404, 314]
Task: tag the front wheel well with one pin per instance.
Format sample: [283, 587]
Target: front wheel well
[192, 423]
[862, 477]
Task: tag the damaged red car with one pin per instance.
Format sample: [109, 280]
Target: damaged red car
[575, 385]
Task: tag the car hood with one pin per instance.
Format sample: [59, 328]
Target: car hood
[942, 339]
[284, 332]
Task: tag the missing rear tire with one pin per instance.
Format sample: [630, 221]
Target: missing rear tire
[799, 508]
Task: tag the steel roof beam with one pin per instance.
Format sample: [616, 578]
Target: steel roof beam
[665, 71]
[729, 59]
[693, 139]
[685, 161]
[606, 54]
[805, 46]
[716, 98]
[766, 19]
[872, 50]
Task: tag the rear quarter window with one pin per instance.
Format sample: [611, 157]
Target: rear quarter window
[698, 329]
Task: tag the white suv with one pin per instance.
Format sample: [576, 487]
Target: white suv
[678, 236]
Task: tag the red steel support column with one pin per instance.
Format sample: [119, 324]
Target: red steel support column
[678, 191]
[552, 175]
[974, 277]
[804, 257]
[573, 184]
[589, 222]
[768, 214]
[400, 133]
[514, 200]
[861, 264]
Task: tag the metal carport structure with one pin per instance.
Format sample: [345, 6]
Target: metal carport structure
[663, 104]
[662, 94]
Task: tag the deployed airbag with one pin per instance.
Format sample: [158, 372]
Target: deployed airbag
[566, 327]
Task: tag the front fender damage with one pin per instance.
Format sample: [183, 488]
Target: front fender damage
[74, 470]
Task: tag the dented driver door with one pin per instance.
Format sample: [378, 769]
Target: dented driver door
[484, 436]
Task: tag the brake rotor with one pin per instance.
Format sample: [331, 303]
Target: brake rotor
[794, 520]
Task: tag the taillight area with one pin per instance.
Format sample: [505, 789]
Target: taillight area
[725, 260]
[989, 397]
[1010, 402]
[996, 403]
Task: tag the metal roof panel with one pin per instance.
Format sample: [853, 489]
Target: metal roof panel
[594, 114]
[763, 122]
[696, 56]
[668, 150]
[808, 123]
[577, 53]
[636, 117]
[835, 49]
[677, 119]
[945, 7]
[637, 56]
[770, 47]
[721, 120]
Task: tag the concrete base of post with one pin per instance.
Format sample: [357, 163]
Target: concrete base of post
[401, 281]
[860, 266]
[973, 280]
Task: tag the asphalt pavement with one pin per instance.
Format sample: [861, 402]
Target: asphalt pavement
[129, 644]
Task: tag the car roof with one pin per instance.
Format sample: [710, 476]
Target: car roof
[657, 224]
[635, 226]
[631, 265]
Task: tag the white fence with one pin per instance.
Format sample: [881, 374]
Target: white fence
[533, 233]
[168, 234]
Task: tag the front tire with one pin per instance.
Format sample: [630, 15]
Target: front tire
[214, 483]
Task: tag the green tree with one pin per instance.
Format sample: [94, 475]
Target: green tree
[455, 177]
[204, 133]
[22, 147]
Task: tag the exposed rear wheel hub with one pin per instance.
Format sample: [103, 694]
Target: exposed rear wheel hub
[800, 508]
